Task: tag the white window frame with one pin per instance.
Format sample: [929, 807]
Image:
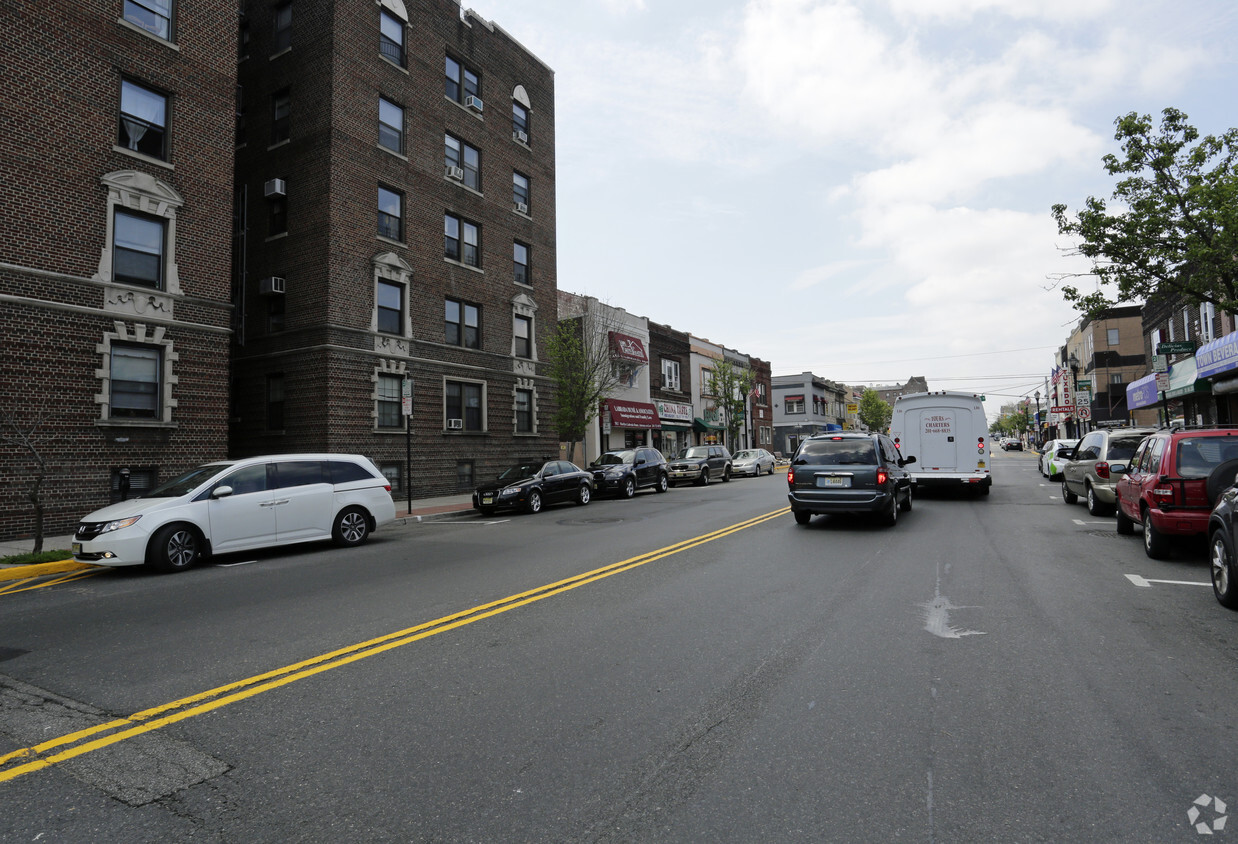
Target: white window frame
[670, 375]
[390, 369]
[138, 334]
[130, 190]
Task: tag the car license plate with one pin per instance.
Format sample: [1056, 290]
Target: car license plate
[834, 482]
[77, 547]
[487, 499]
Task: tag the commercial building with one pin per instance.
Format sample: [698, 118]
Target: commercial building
[806, 404]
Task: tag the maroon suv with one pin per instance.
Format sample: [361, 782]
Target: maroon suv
[1173, 481]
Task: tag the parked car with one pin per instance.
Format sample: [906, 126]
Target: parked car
[239, 505]
[849, 473]
[752, 461]
[1053, 457]
[701, 464]
[622, 473]
[533, 484]
[1172, 483]
[1087, 471]
[1222, 542]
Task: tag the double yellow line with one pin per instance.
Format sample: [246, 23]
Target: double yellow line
[30, 759]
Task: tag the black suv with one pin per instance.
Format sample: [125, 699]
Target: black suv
[701, 464]
[621, 473]
[849, 473]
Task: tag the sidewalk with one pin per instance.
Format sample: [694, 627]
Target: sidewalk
[445, 506]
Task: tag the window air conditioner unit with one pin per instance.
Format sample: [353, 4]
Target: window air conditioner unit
[522, 208]
[273, 286]
[455, 424]
[275, 187]
[473, 103]
[456, 173]
[523, 137]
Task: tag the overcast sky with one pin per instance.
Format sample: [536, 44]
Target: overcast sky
[860, 189]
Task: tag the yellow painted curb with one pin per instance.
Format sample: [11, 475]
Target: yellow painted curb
[39, 569]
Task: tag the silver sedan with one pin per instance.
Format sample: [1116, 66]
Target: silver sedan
[752, 461]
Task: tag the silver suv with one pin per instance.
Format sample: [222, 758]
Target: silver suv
[1087, 475]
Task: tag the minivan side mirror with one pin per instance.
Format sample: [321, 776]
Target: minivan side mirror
[1118, 468]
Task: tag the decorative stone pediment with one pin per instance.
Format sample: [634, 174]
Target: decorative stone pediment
[396, 8]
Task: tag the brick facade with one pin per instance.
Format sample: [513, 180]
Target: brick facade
[68, 167]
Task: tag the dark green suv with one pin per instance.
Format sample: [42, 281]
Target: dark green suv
[849, 473]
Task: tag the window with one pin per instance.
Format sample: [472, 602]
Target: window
[462, 84]
[390, 308]
[1116, 379]
[154, 16]
[136, 382]
[137, 251]
[707, 375]
[520, 122]
[1207, 313]
[277, 215]
[143, 120]
[281, 105]
[460, 156]
[275, 314]
[390, 125]
[388, 399]
[275, 402]
[1186, 323]
[794, 404]
[1112, 336]
[524, 411]
[522, 330]
[391, 38]
[520, 259]
[281, 39]
[670, 374]
[1155, 339]
[464, 403]
[389, 215]
[462, 324]
[464, 474]
[461, 240]
[391, 471]
[520, 192]
[242, 41]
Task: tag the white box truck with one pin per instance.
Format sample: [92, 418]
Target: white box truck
[948, 435]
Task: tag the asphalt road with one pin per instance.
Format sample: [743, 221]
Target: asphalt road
[682, 667]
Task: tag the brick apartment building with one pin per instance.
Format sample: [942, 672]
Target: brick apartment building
[395, 200]
[115, 247]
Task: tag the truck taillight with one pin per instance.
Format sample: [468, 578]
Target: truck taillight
[882, 477]
[1102, 470]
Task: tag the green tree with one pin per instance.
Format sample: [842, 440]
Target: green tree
[729, 385]
[583, 367]
[874, 413]
[1176, 228]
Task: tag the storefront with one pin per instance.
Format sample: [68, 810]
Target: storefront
[626, 424]
[708, 432]
[1142, 393]
[675, 432]
[1218, 361]
[1194, 394]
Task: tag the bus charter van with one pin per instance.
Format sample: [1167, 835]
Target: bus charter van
[949, 437]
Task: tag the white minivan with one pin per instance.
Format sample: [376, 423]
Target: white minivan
[238, 505]
[948, 435]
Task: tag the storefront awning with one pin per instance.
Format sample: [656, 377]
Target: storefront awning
[1183, 380]
[629, 348]
[701, 426]
[632, 414]
[668, 426]
[1221, 355]
[1141, 393]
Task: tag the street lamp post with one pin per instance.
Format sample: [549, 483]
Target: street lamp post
[1038, 418]
[1073, 363]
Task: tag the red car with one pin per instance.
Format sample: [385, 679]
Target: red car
[1172, 482]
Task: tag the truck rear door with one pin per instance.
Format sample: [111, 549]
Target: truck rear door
[939, 433]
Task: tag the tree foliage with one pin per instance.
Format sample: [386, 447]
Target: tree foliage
[583, 367]
[874, 413]
[1174, 229]
[729, 385]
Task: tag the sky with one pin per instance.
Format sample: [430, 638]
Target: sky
[856, 188]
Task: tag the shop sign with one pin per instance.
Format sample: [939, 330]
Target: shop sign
[674, 412]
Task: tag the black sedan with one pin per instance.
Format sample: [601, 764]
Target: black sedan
[533, 484]
[622, 473]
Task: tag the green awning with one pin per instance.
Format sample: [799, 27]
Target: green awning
[701, 426]
[669, 426]
[1183, 381]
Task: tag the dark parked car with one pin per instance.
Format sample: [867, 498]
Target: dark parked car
[532, 485]
[849, 473]
[1172, 483]
[701, 464]
[1223, 540]
[622, 473]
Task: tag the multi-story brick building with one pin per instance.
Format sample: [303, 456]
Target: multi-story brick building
[395, 201]
[670, 387]
[115, 244]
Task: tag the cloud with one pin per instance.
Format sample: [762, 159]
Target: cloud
[623, 7]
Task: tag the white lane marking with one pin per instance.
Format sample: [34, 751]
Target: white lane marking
[1147, 582]
[231, 565]
[937, 619]
[1082, 523]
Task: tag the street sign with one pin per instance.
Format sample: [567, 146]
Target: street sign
[1084, 384]
[1175, 347]
[406, 398]
[1084, 413]
[1160, 363]
[1162, 381]
[1063, 409]
[1083, 398]
[853, 408]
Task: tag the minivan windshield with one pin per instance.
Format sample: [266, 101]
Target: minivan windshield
[186, 483]
[1123, 448]
[838, 452]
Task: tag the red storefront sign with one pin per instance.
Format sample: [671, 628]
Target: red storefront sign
[632, 414]
[627, 347]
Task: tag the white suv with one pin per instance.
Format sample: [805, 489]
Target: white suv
[238, 505]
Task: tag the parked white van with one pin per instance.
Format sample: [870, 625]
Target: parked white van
[238, 505]
[948, 435]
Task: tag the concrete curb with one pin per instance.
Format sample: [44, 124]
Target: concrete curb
[41, 569]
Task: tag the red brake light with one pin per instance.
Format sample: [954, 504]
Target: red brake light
[1102, 470]
[882, 477]
[387, 487]
[790, 476]
[1163, 496]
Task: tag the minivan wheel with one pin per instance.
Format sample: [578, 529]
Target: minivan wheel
[1224, 576]
[890, 517]
[1095, 507]
[906, 505]
[1068, 496]
[173, 548]
[1155, 545]
[802, 517]
[352, 527]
